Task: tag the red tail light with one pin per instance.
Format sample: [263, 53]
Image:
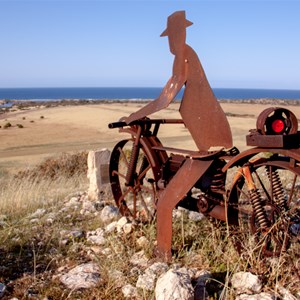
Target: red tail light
[278, 126]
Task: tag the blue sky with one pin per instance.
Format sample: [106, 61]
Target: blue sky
[90, 43]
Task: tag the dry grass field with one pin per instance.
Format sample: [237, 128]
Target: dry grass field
[50, 131]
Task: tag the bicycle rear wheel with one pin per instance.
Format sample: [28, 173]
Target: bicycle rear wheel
[269, 216]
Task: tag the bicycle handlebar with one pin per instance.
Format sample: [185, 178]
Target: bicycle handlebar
[145, 121]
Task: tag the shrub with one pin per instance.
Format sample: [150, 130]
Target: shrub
[66, 165]
[7, 125]
[20, 126]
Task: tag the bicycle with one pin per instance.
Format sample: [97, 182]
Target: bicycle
[263, 199]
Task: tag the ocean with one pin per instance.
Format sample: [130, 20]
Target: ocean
[138, 93]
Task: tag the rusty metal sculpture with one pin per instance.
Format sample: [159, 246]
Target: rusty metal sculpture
[149, 180]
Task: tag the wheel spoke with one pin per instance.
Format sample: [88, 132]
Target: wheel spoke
[123, 156]
[292, 189]
[118, 174]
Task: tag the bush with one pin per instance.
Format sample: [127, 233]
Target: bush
[66, 165]
[7, 125]
[20, 126]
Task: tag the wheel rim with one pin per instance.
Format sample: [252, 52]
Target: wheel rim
[280, 202]
[136, 201]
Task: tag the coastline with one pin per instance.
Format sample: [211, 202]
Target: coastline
[13, 105]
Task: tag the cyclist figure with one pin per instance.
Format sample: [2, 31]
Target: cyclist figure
[201, 114]
[200, 110]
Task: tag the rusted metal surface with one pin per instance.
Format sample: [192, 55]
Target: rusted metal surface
[276, 127]
[150, 179]
[175, 191]
[199, 108]
[267, 120]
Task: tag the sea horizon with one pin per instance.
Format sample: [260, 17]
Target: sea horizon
[134, 93]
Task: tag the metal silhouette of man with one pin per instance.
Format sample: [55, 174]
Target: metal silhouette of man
[200, 110]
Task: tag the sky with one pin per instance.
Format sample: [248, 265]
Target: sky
[102, 43]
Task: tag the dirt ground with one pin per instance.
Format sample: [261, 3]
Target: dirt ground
[50, 131]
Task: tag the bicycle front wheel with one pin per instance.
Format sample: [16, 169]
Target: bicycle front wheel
[136, 199]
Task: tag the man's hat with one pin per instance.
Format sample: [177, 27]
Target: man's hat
[176, 20]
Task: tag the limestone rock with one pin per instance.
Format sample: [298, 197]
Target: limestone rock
[121, 223]
[142, 242]
[38, 213]
[129, 291]
[109, 213]
[139, 259]
[96, 236]
[2, 289]
[246, 283]
[147, 280]
[82, 277]
[174, 285]
[195, 216]
[68, 236]
[98, 176]
[286, 294]
[88, 207]
[261, 296]
[111, 227]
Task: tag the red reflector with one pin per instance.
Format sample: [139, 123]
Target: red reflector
[278, 126]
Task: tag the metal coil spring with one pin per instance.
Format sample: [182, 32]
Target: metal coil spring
[278, 192]
[258, 208]
[218, 181]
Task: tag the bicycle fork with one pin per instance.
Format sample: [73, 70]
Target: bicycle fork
[133, 158]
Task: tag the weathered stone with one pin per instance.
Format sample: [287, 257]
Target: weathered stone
[98, 175]
[246, 283]
[38, 213]
[147, 280]
[129, 291]
[117, 277]
[261, 296]
[68, 236]
[121, 223]
[3, 221]
[195, 216]
[139, 259]
[128, 228]
[174, 285]
[73, 202]
[157, 268]
[142, 242]
[285, 294]
[111, 227]
[109, 213]
[82, 277]
[88, 207]
[96, 236]
[2, 289]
